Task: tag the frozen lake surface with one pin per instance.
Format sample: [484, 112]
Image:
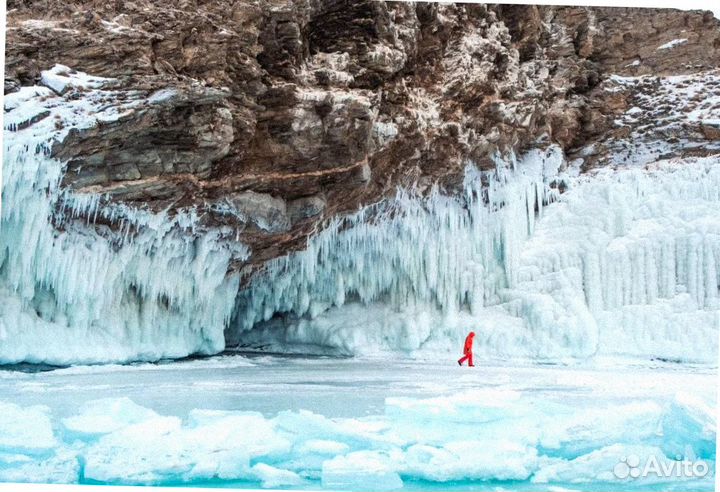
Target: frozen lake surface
[340, 387]
[350, 424]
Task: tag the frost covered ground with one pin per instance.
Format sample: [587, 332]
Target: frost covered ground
[358, 424]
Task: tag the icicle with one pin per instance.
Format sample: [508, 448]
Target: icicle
[145, 294]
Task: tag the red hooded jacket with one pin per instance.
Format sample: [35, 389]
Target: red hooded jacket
[467, 349]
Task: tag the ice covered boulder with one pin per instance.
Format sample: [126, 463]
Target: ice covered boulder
[139, 453]
[212, 444]
[61, 466]
[581, 431]
[492, 458]
[29, 448]
[626, 466]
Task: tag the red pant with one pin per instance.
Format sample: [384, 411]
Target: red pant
[466, 357]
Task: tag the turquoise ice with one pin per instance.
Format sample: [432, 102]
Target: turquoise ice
[353, 424]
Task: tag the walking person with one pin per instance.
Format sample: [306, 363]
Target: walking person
[467, 350]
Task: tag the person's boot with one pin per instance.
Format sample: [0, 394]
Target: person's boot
[459, 363]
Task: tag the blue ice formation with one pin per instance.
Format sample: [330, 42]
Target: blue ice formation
[491, 437]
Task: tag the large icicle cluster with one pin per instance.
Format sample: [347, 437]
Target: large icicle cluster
[436, 251]
[421, 264]
[623, 262]
[76, 291]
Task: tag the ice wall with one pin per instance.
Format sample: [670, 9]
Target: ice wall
[642, 247]
[141, 286]
[623, 262]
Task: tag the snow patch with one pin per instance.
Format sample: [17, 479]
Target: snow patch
[61, 79]
[672, 44]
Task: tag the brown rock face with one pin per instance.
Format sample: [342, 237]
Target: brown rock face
[181, 132]
[286, 113]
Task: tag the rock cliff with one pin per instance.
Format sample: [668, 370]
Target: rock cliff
[273, 116]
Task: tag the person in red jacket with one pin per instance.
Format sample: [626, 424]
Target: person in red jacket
[467, 350]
